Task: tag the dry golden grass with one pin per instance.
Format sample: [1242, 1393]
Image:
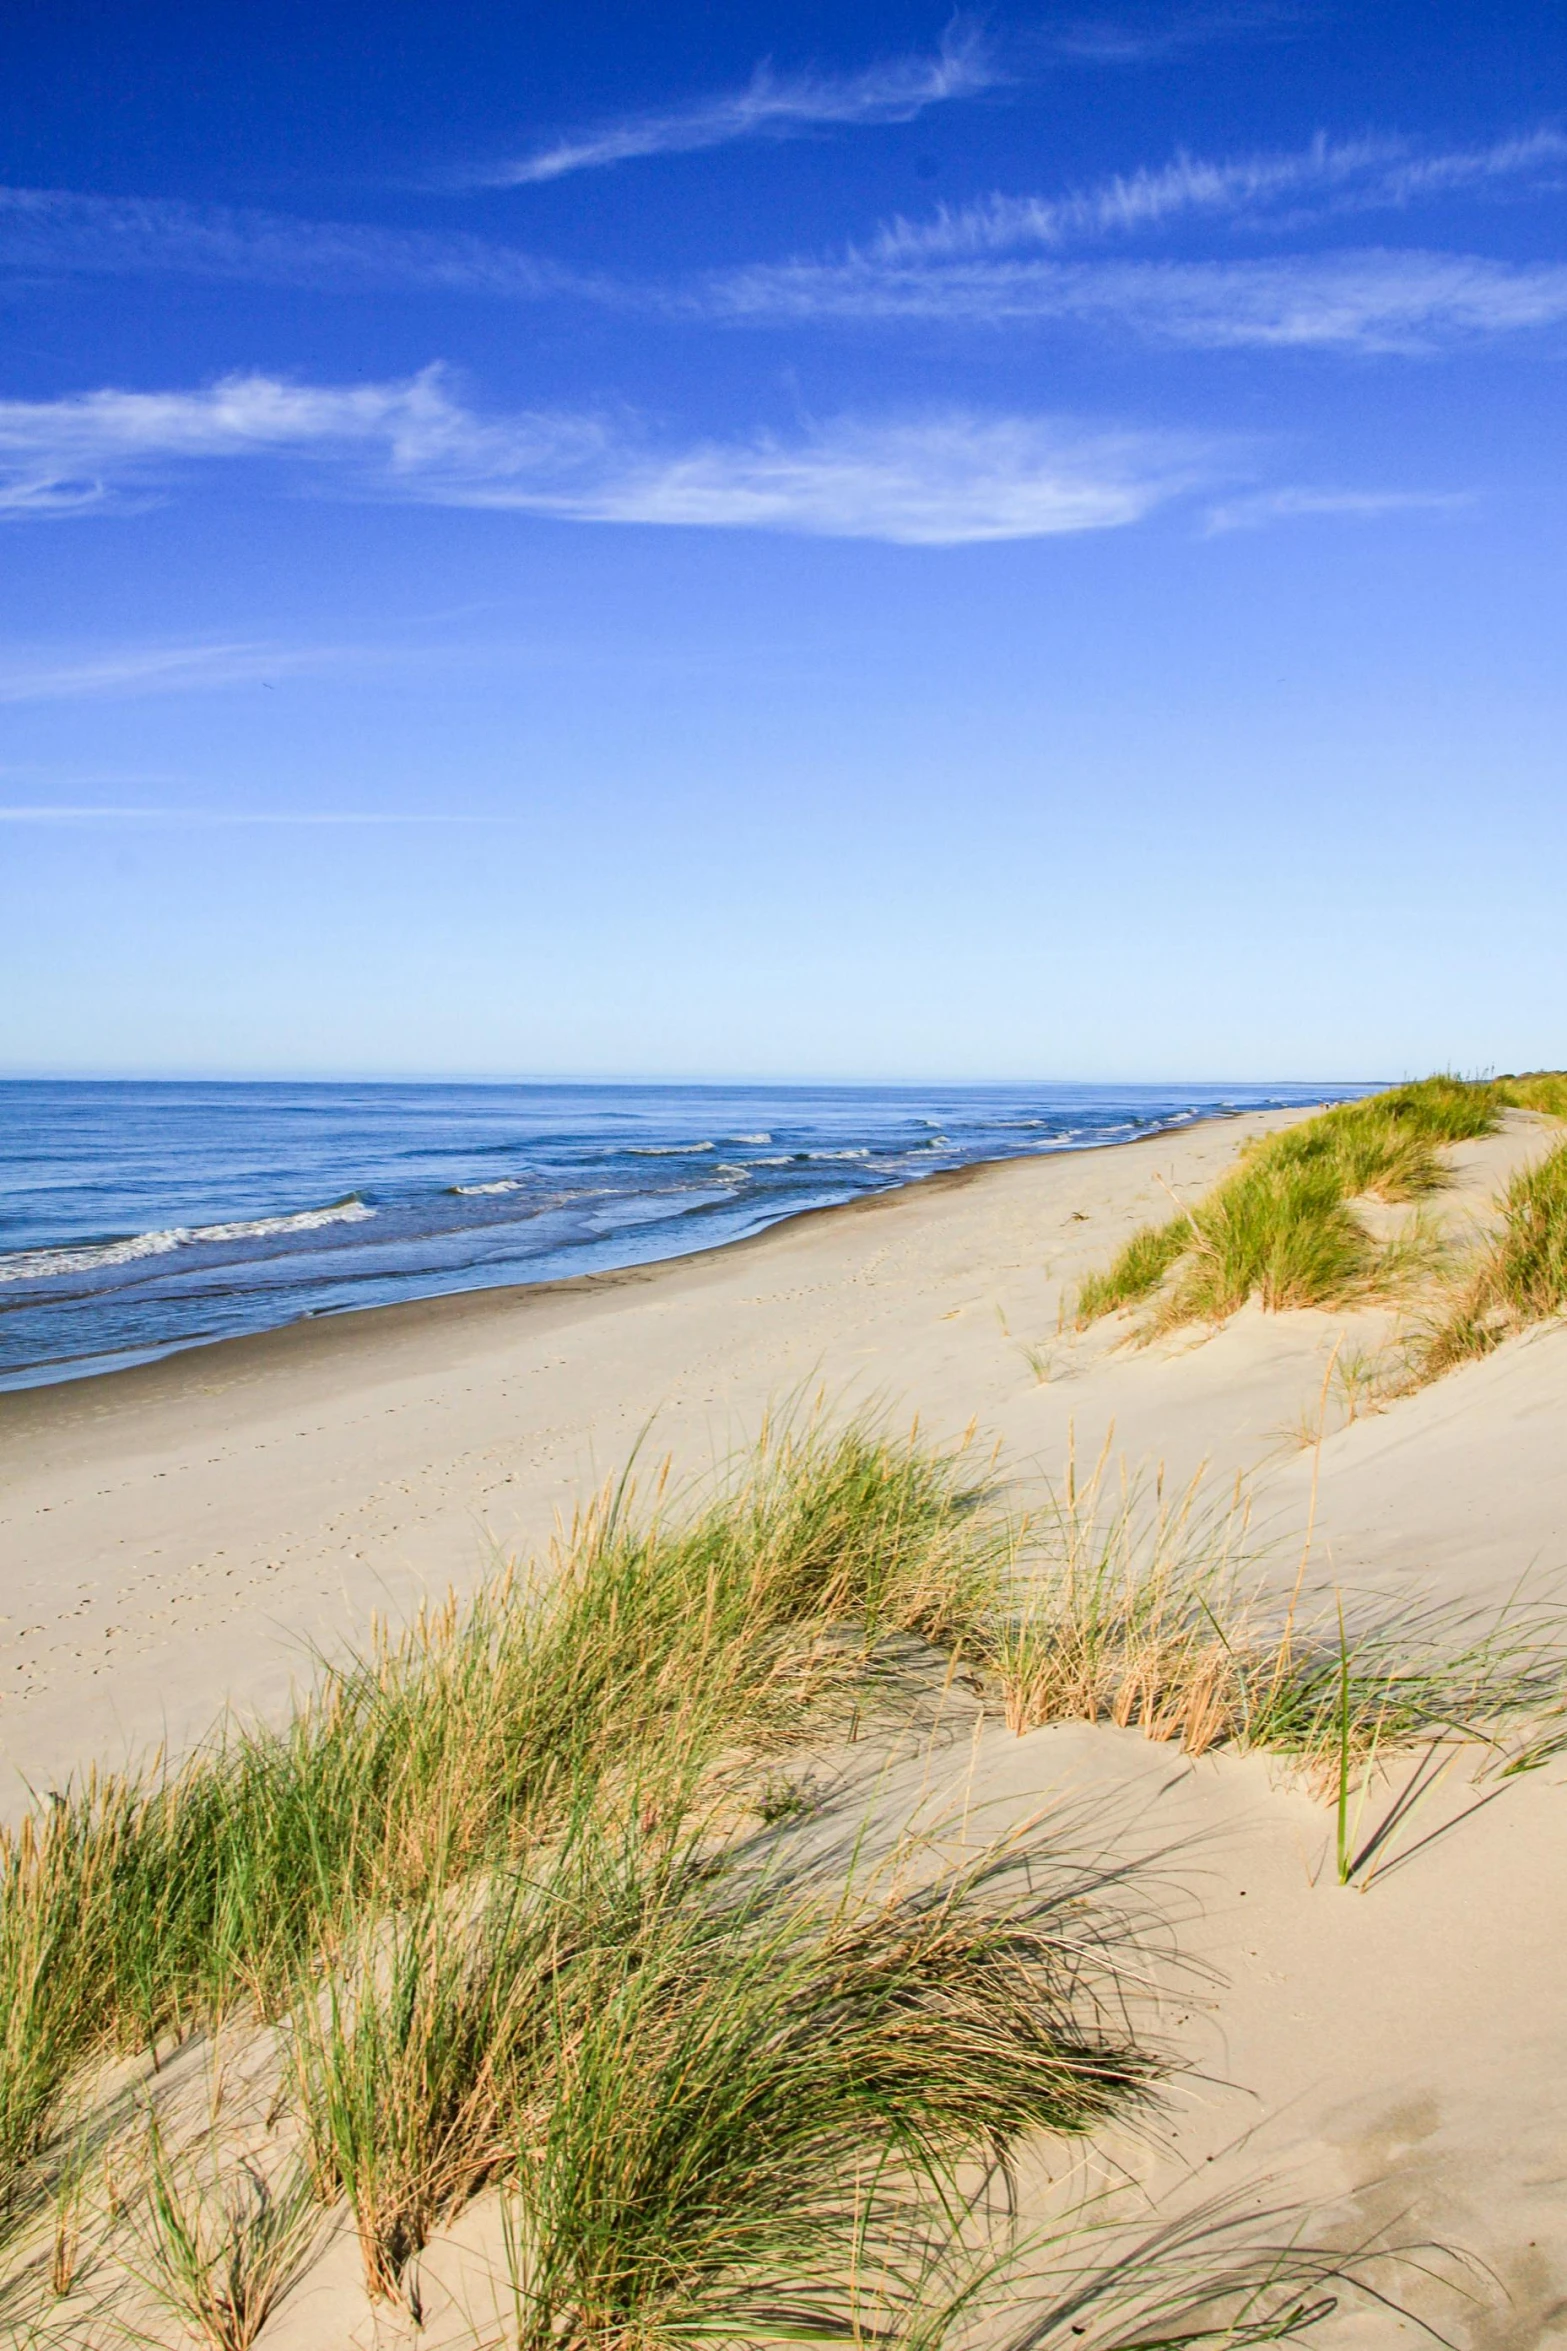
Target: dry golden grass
[1159, 1613]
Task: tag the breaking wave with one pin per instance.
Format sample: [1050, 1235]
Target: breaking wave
[801, 1158]
[38, 1265]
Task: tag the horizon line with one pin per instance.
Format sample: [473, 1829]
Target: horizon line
[199, 1077]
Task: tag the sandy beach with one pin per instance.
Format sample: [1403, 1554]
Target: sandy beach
[185, 1536]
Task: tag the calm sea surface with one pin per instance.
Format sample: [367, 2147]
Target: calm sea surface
[136, 1219]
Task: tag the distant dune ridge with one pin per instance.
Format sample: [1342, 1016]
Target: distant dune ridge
[1028, 1809]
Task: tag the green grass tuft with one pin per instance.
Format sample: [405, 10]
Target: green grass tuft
[1278, 1231]
[222, 2254]
[401, 2064]
[1136, 1270]
[1540, 1090]
[1521, 1274]
[140, 1907]
[771, 2076]
[1281, 1228]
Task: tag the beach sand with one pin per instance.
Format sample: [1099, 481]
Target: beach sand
[186, 1535]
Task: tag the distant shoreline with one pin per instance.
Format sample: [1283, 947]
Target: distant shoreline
[344, 1332]
[348, 1331]
[145, 1222]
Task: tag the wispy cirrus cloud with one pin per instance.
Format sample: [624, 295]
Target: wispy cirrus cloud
[88, 449]
[984, 263]
[932, 481]
[769, 106]
[941, 481]
[49, 230]
[1148, 36]
[1389, 300]
[1324, 178]
[1011, 259]
[781, 106]
[160, 669]
[1258, 508]
[1008, 259]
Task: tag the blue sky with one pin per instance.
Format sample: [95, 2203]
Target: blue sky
[782, 541]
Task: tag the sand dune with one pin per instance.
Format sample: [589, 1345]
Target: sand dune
[179, 1537]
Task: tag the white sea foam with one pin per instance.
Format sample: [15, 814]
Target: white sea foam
[38, 1265]
[505, 1184]
[797, 1158]
[727, 1168]
[666, 1150]
[750, 1138]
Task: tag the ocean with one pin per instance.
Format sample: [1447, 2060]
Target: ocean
[137, 1219]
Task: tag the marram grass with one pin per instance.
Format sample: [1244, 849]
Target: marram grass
[1519, 1276]
[1282, 1227]
[499, 1894]
[140, 1907]
[1541, 1090]
[1153, 1612]
[782, 2068]
[1138, 1268]
[220, 2252]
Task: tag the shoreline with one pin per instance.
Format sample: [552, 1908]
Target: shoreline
[361, 1326]
[184, 1535]
[271, 1347]
[176, 1535]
